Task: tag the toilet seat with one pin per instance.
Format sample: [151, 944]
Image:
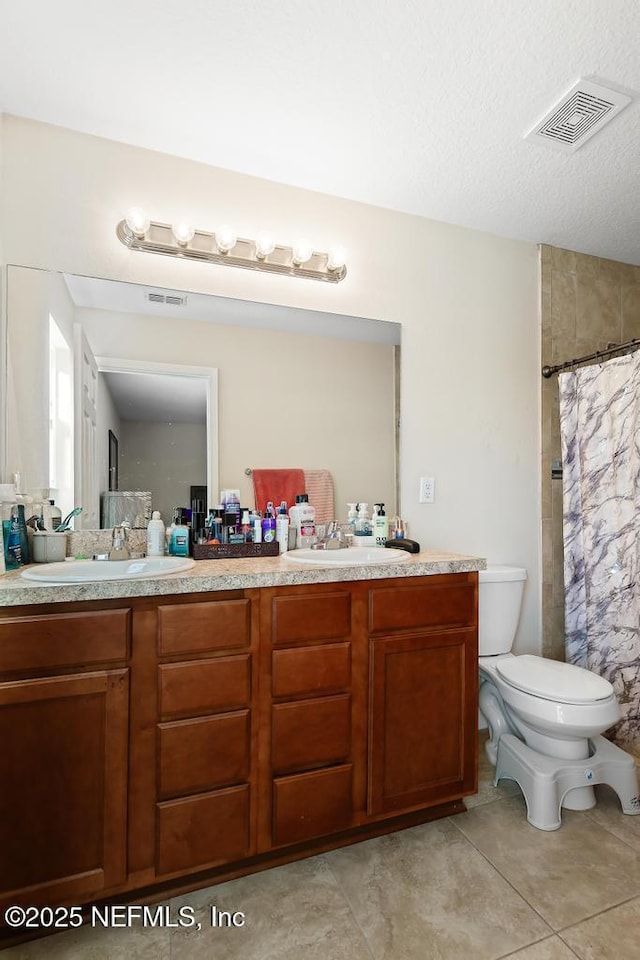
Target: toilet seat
[553, 680]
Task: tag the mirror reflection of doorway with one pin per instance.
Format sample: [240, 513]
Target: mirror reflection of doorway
[113, 461]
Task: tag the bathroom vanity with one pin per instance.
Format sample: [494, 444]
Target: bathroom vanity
[162, 735]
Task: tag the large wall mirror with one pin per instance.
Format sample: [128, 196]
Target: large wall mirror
[114, 387]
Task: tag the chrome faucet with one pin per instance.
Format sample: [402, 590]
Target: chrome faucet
[334, 539]
[119, 546]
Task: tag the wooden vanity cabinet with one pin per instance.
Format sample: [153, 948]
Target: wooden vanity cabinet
[205, 759]
[179, 740]
[311, 711]
[64, 703]
[423, 687]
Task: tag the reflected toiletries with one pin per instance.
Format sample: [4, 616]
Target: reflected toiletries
[269, 524]
[178, 536]
[282, 528]
[303, 519]
[155, 535]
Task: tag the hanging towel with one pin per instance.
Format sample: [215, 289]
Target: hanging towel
[277, 485]
[319, 486]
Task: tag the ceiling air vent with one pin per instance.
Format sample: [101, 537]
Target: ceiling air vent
[582, 112]
[171, 298]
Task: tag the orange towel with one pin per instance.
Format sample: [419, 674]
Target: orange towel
[319, 486]
[277, 485]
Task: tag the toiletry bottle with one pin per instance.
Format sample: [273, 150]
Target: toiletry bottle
[256, 523]
[363, 526]
[247, 528]
[155, 535]
[269, 524]
[380, 526]
[3, 567]
[179, 542]
[12, 552]
[303, 517]
[352, 516]
[22, 533]
[282, 529]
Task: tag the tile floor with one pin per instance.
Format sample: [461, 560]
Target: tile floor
[480, 886]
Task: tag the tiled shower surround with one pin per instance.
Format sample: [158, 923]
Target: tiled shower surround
[586, 304]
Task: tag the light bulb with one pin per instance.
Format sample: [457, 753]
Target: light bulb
[264, 246]
[183, 232]
[225, 239]
[336, 258]
[302, 252]
[137, 221]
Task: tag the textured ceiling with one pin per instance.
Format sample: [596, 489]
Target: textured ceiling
[416, 105]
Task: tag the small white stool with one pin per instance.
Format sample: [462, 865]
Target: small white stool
[546, 781]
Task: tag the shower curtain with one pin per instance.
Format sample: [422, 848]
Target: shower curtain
[600, 432]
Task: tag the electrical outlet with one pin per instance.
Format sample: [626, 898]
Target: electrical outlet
[427, 489]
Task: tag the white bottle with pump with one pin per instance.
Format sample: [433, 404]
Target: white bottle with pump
[155, 535]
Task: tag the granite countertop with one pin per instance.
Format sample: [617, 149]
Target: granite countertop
[240, 574]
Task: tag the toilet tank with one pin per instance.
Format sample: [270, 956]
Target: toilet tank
[499, 600]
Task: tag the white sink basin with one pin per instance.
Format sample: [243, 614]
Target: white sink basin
[91, 571]
[349, 557]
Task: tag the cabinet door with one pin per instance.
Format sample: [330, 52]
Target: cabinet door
[423, 719]
[63, 767]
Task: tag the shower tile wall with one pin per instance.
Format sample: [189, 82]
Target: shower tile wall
[586, 304]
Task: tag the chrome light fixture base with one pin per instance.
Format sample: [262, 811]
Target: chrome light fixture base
[159, 238]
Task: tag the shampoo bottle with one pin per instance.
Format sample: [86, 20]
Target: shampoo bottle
[155, 535]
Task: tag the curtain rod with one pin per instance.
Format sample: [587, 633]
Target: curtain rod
[549, 371]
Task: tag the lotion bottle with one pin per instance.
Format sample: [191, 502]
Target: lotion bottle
[380, 526]
[155, 535]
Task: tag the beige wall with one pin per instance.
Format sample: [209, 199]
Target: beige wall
[285, 400]
[467, 302]
[587, 304]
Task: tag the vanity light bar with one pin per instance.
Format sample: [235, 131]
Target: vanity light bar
[223, 247]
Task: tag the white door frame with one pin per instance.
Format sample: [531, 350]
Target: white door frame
[210, 376]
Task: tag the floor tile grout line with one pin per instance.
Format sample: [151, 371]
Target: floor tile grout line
[514, 953]
[601, 913]
[501, 874]
[604, 826]
[613, 906]
[344, 894]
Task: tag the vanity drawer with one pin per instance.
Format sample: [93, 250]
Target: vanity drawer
[202, 754]
[312, 804]
[311, 617]
[64, 640]
[310, 733]
[204, 686]
[203, 627]
[448, 601]
[311, 670]
[203, 831]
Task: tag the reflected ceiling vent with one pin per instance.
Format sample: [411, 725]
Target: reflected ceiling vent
[173, 299]
[581, 113]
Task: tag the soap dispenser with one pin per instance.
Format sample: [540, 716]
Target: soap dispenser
[363, 526]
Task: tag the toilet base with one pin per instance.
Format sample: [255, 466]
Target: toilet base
[546, 781]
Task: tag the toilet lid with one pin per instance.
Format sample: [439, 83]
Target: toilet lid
[552, 680]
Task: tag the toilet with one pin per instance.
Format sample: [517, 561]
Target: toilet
[545, 718]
